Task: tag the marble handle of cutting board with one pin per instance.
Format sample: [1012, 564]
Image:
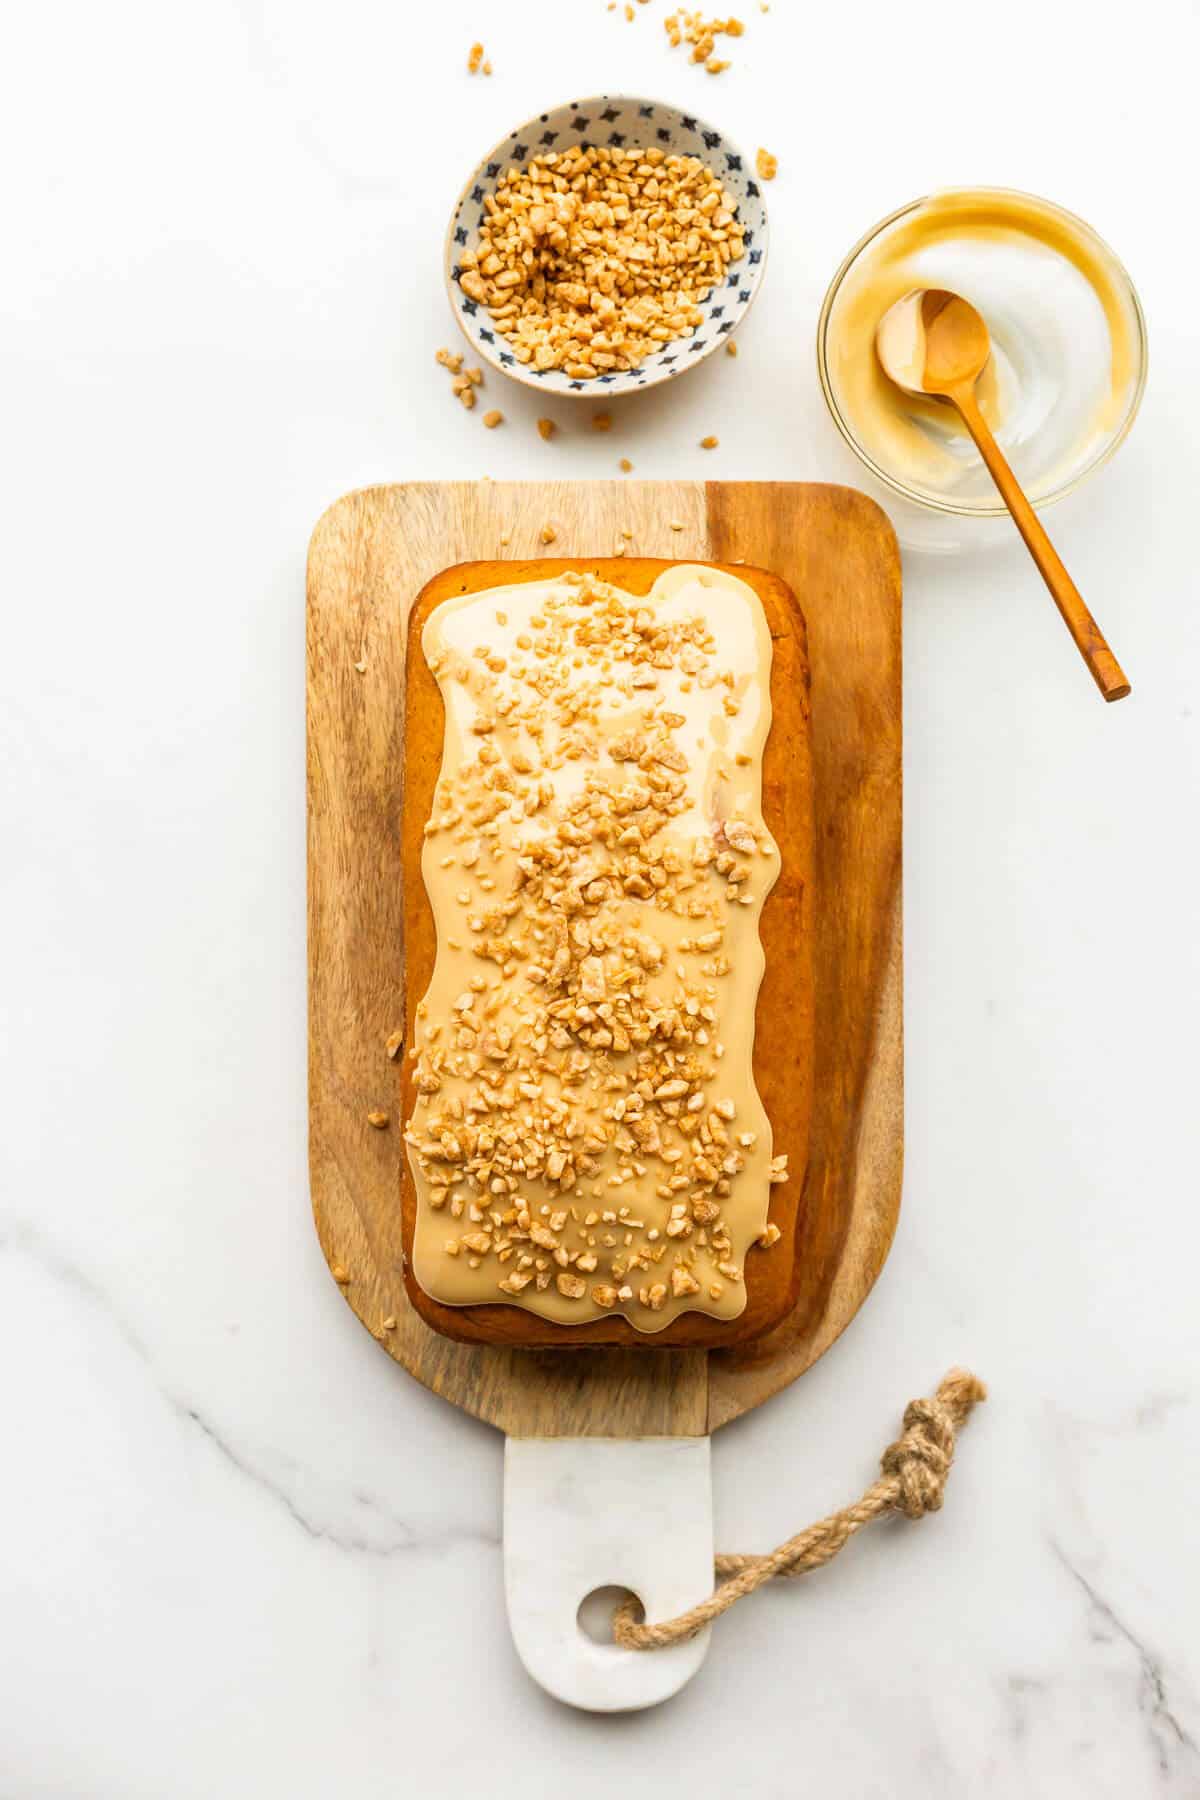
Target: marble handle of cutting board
[588, 1513]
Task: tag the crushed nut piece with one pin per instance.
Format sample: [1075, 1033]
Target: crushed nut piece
[693, 28]
[474, 59]
[601, 421]
[709, 443]
[546, 428]
[767, 165]
[380, 1120]
[492, 419]
[394, 1044]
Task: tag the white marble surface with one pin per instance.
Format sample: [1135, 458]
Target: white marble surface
[240, 1554]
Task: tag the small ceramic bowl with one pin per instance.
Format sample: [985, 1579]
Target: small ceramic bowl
[622, 122]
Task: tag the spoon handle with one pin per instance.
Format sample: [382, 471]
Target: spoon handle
[1106, 670]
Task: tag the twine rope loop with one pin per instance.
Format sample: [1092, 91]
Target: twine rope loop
[913, 1475]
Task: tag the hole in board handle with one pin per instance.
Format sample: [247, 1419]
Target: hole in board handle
[596, 1610]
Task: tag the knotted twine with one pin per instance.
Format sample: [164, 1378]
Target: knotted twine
[914, 1471]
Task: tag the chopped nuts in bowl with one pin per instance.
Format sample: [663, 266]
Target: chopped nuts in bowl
[610, 243]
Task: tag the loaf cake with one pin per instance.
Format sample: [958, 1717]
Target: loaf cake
[607, 856]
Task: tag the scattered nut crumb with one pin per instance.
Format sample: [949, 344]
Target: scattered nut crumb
[394, 1044]
[767, 165]
[731, 348]
[474, 59]
[361, 667]
[676, 524]
[709, 443]
[548, 534]
[546, 428]
[389, 1324]
[693, 28]
[380, 1120]
[492, 419]
[340, 1274]
[450, 359]
[601, 421]
[625, 465]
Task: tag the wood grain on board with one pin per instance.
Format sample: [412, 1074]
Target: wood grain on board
[370, 556]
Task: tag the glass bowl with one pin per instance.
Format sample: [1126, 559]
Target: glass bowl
[1066, 377]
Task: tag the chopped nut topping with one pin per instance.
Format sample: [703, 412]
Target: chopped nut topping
[546, 428]
[475, 59]
[767, 165]
[394, 1044]
[709, 443]
[492, 419]
[591, 258]
[380, 1120]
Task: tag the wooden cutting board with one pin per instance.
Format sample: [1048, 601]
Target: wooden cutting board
[370, 555]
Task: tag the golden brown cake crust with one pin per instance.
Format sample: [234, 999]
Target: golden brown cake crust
[783, 1044]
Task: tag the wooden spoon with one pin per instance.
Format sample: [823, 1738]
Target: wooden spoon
[934, 342]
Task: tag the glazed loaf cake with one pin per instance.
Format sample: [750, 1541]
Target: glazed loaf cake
[607, 848]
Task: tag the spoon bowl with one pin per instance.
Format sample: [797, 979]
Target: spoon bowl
[932, 341]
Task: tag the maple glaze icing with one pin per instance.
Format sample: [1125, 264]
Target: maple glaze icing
[588, 1139]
